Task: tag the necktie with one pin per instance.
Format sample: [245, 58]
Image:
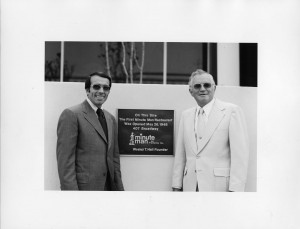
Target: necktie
[102, 120]
[201, 124]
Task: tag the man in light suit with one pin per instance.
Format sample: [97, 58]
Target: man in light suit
[212, 146]
[87, 147]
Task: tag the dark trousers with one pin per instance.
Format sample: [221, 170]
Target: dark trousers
[107, 186]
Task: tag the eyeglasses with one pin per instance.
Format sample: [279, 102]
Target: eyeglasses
[205, 85]
[97, 87]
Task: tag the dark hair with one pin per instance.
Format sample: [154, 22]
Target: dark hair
[101, 74]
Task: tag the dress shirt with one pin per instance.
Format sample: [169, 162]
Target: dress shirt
[207, 109]
[95, 108]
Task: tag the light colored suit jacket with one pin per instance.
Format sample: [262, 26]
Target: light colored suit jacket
[84, 155]
[220, 162]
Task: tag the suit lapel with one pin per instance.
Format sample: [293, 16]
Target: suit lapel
[110, 133]
[191, 124]
[92, 118]
[215, 117]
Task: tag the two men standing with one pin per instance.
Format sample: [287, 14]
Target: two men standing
[211, 150]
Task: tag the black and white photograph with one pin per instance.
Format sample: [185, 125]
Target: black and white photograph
[154, 76]
[149, 114]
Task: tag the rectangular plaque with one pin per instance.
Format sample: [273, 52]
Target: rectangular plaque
[146, 132]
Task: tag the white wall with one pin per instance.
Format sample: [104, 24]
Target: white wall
[228, 61]
[142, 173]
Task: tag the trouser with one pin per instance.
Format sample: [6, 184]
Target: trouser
[107, 186]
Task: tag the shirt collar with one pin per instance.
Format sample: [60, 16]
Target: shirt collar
[95, 108]
[207, 108]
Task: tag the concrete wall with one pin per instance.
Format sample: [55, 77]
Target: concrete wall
[228, 61]
[142, 173]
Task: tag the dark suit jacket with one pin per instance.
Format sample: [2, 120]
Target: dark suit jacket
[84, 155]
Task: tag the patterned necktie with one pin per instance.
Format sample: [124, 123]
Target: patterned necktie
[102, 121]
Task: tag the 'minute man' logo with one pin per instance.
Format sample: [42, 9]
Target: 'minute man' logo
[140, 139]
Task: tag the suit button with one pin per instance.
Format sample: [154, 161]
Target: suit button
[104, 174]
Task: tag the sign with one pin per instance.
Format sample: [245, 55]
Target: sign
[146, 132]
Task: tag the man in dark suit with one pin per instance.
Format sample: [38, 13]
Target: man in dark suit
[87, 146]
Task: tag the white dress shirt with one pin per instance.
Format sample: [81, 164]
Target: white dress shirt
[95, 108]
[207, 109]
